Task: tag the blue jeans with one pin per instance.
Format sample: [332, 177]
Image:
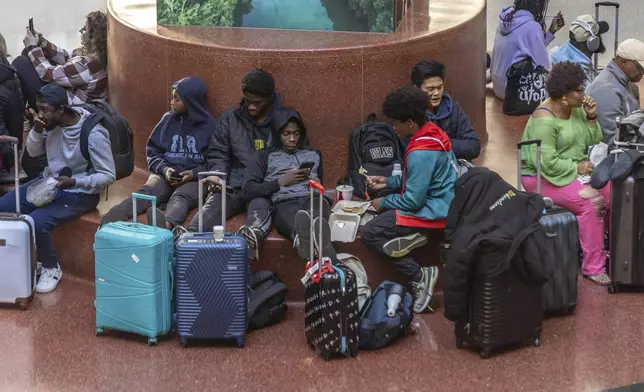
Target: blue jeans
[65, 207]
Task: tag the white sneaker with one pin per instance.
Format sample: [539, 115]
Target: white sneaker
[38, 268]
[49, 279]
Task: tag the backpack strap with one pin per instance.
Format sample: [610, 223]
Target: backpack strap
[88, 125]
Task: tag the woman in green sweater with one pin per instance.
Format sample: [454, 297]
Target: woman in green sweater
[566, 123]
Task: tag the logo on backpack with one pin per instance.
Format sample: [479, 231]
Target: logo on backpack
[386, 152]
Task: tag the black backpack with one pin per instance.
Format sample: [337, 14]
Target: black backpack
[374, 147]
[267, 300]
[120, 136]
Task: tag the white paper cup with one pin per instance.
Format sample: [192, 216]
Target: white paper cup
[344, 192]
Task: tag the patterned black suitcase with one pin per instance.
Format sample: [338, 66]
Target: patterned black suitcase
[331, 314]
[503, 311]
[562, 231]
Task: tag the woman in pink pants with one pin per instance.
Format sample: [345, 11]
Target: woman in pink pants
[566, 123]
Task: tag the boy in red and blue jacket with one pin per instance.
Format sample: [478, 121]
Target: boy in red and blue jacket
[426, 191]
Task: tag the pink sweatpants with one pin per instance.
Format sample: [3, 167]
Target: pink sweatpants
[591, 225]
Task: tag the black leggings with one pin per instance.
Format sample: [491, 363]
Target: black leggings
[180, 200]
[30, 82]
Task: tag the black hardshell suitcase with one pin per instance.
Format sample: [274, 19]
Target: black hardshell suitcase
[503, 311]
[626, 223]
[331, 314]
[562, 230]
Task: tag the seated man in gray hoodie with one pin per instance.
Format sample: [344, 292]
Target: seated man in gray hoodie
[281, 174]
[56, 130]
[614, 89]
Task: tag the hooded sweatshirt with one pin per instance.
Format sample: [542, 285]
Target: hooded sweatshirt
[616, 96]
[63, 150]
[522, 38]
[569, 52]
[450, 118]
[427, 183]
[236, 139]
[262, 175]
[11, 110]
[180, 141]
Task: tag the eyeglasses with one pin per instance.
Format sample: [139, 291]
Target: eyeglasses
[639, 67]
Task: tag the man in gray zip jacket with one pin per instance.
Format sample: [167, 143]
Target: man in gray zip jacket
[614, 89]
[281, 174]
[57, 129]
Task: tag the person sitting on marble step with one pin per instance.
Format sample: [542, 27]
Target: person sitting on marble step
[57, 130]
[240, 132]
[281, 174]
[426, 190]
[83, 74]
[176, 151]
[444, 111]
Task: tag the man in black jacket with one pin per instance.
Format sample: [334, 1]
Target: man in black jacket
[11, 110]
[444, 111]
[240, 132]
[491, 227]
[281, 173]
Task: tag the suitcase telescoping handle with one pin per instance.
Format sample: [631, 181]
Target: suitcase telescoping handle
[320, 189]
[615, 28]
[201, 177]
[529, 143]
[16, 166]
[151, 198]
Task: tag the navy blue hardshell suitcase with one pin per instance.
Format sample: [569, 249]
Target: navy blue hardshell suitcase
[211, 282]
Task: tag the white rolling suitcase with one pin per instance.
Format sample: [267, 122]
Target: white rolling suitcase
[17, 249]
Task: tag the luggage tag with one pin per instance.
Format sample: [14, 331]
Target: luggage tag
[314, 273]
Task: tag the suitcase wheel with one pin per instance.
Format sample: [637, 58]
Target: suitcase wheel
[353, 353]
[152, 341]
[612, 289]
[459, 343]
[327, 356]
[571, 309]
[536, 342]
[484, 354]
[183, 342]
[24, 305]
[99, 331]
[240, 343]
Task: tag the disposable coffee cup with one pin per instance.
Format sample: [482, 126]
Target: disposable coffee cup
[344, 192]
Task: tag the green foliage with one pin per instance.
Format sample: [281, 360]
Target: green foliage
[379, 13]
[197, 13]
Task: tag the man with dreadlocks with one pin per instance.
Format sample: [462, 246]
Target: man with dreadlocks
[521, 34]
[83, 75]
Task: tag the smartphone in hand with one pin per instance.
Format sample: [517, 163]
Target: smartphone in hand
[31, 26]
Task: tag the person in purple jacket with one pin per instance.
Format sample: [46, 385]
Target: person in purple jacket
[522, 33]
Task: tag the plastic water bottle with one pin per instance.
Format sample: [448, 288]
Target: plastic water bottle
[394, 299]
[397, 170]
[218, 233]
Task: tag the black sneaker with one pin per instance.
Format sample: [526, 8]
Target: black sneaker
[303, 234]
[178, 231]
[251, 236]
[424, 290]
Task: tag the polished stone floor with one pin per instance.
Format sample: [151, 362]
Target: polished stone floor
[52, 347]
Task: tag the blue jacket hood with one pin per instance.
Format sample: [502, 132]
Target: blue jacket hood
[282, 117]
[192, 91]
[444, 110]
[520, 18]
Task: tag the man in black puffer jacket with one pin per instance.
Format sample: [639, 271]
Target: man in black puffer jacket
[240, 132]
[11, 110]
[491, 227]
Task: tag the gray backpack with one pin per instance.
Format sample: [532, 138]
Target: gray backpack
[354, 263]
